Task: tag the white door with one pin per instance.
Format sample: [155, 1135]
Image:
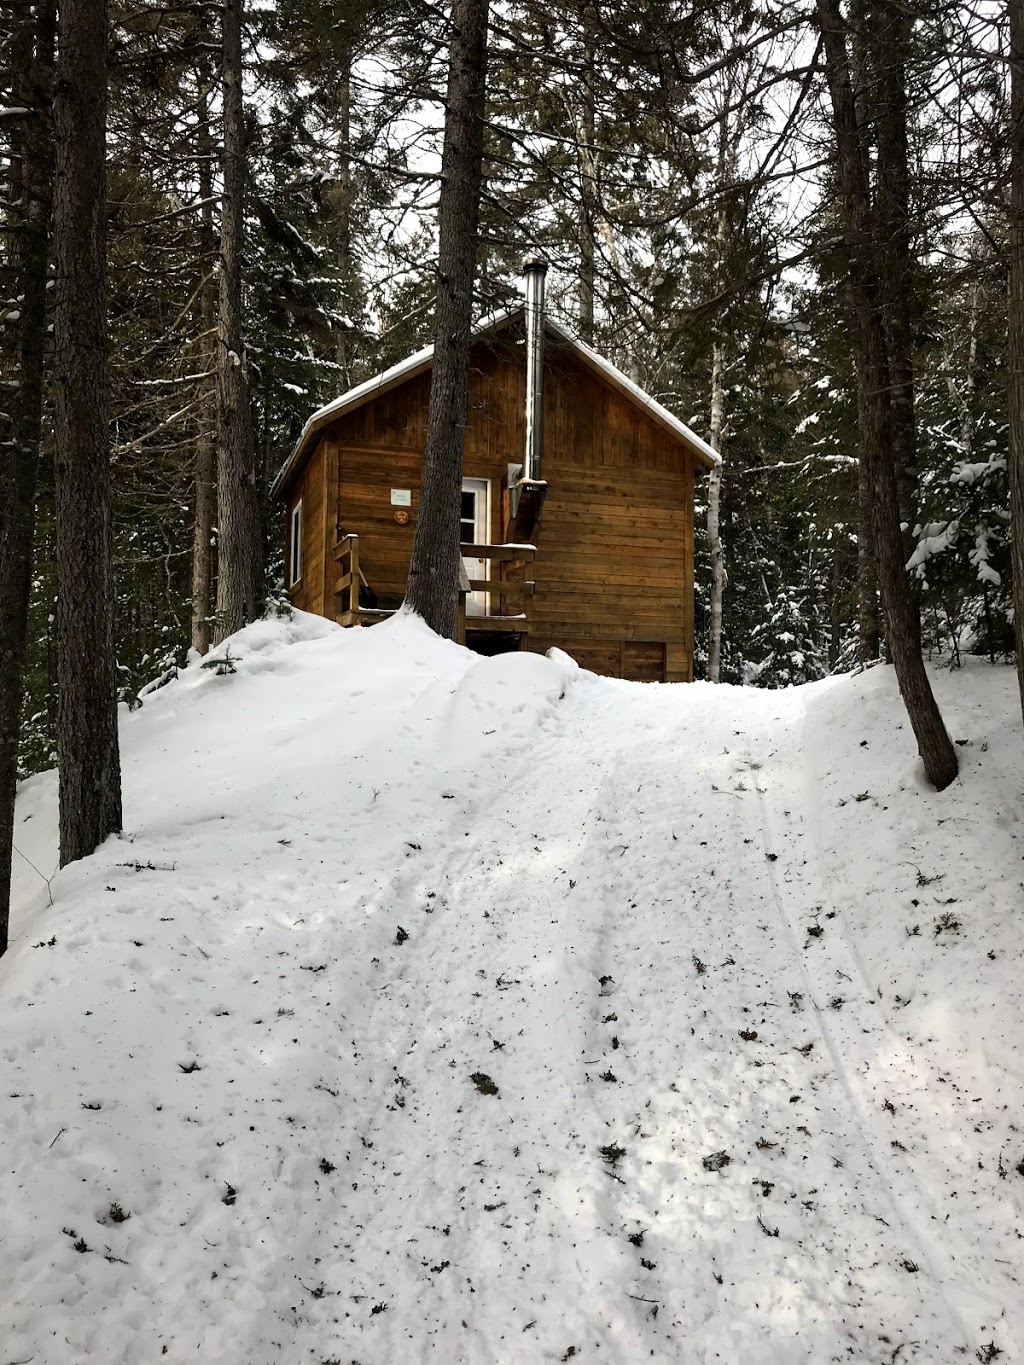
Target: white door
[474, 529]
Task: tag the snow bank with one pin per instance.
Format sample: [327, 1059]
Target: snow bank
[480, 1010]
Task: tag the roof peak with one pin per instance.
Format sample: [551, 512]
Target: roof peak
[495, 321]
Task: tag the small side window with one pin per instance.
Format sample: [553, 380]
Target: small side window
[295, 566]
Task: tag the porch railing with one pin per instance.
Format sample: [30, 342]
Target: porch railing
[506, 583]
[350, 580]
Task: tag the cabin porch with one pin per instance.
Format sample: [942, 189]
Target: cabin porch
[494, 609]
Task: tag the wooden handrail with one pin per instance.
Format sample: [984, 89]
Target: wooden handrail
[347, 548]
[506, 577]
[506, 557]
[527, 553]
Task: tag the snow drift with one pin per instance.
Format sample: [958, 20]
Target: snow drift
[481, 1010]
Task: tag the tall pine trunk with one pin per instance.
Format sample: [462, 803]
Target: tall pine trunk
[205, 478]
[727, 145]
[343, 213]
[588, 276]
[1015, 359]
[902, 627]
[719, 578]
[869, 626]
[888, 42]
[21, 369]
[239, 532]
[87, 740]
[433, 588]
[588, 209]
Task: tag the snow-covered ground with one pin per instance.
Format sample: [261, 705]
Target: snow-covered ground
[481, 1010]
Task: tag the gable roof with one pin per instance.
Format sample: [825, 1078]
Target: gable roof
[420, 361]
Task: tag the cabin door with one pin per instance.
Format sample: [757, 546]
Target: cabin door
[474, 529]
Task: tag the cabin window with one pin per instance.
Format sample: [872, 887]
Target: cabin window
[474, 529]
[467, 522]
[474, 513]
[295, 562]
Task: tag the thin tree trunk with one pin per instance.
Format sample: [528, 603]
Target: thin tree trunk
[90, 765]
[869, 622]
[963, 397]
[588, 190]
[433, 588]
[202, 536]
[240, 591]
[970, 380]
[889, 43]
[1015, 357]
[719, 577]
[344, 213]
[21, 367]
[587, 276]
[869, 626]
[902, 627]
[206, 449]
[835, 598]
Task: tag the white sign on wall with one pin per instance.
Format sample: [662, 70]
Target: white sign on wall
[401, 497]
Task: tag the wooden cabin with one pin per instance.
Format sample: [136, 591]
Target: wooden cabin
[587, 545]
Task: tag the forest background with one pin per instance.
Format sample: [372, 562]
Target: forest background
[677, 168]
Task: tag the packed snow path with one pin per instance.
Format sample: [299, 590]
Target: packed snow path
[486, 1011]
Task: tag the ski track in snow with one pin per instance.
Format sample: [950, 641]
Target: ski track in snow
[594, 896]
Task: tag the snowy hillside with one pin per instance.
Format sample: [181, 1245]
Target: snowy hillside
[443, 1008]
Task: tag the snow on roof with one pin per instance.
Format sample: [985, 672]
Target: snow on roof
[492, 322]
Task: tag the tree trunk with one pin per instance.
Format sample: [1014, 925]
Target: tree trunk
[240, 590]
[970, 380]
[719, 577]
[206, 449]
[433, 588]
[1015, 358]
[588, 277]
[902, 627]
[344, 214]
[202, 538]
[87, 740]
[869, 627]
[889, 48]
[21, 368]
[588, 189]
[835, 604]
[727, 143]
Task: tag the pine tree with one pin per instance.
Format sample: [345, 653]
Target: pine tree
[22, 349]
[903, 634]
[433, 589]
[1015, 356]
[240, 587]
[90, 766]
[786, 640]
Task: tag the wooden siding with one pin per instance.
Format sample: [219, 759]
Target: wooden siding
[308, 593]
[614, 566]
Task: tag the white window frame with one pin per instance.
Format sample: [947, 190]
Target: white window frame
[479, 603]
[295, 546]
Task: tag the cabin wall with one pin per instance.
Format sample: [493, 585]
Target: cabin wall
[379, 447]
[308, 594]
[614, 566]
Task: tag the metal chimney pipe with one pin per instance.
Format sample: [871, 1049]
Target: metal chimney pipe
[534, 269]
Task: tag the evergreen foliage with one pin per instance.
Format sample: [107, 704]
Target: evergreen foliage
[604, 136]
